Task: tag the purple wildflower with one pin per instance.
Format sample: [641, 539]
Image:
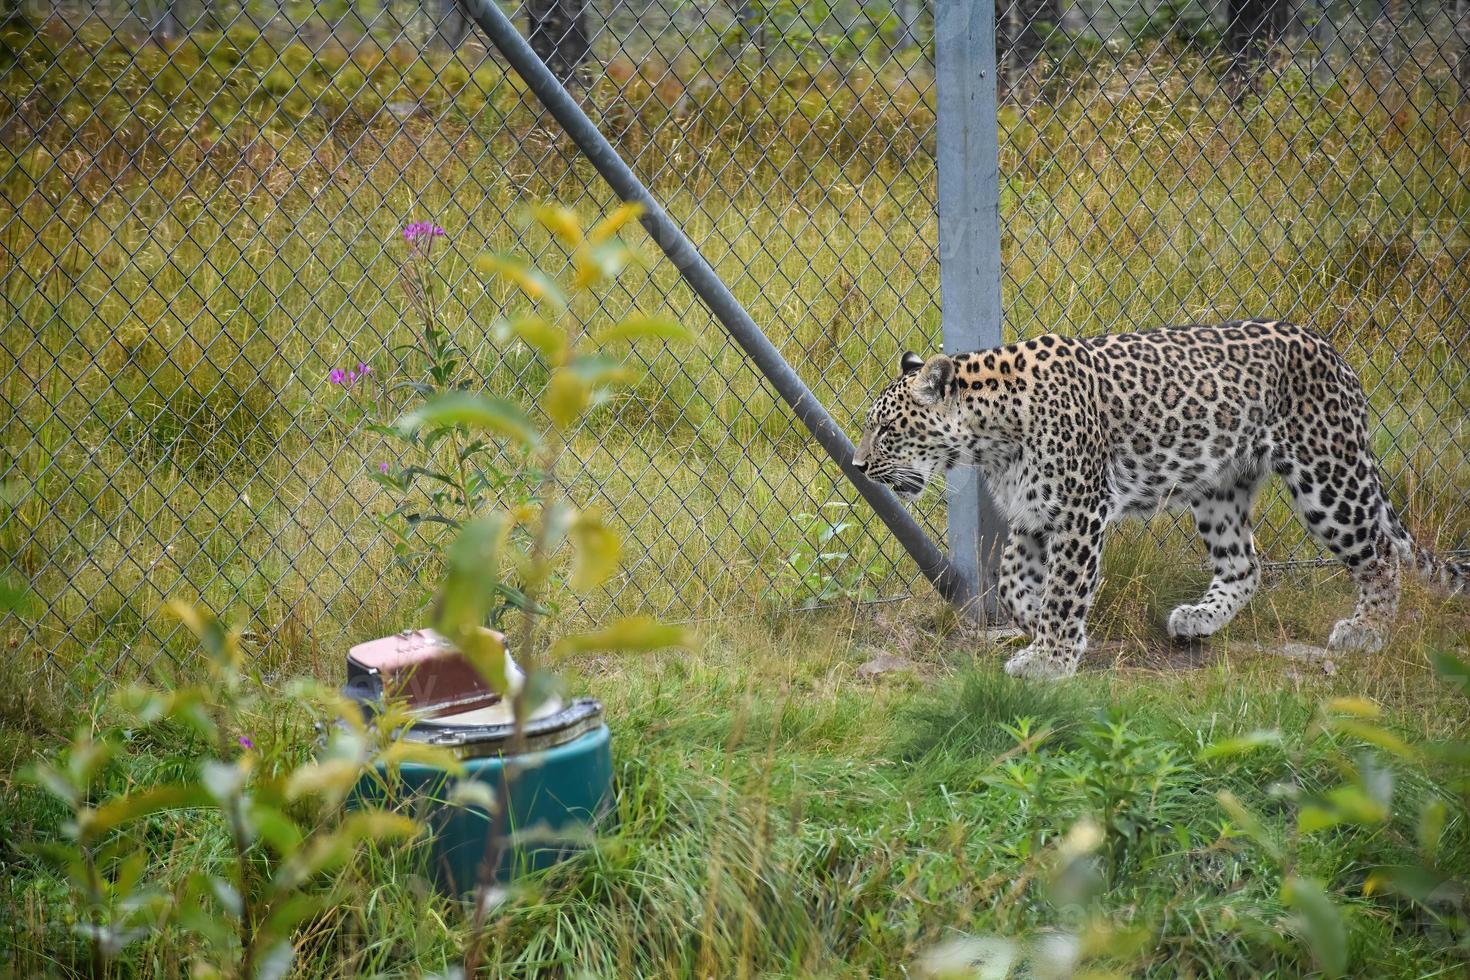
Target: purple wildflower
[347, 377]
[246, 743]
[383, 468]
[425, 230]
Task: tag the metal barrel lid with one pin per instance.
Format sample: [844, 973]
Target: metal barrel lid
[542, 732]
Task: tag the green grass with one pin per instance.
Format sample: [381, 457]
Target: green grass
[779, 815]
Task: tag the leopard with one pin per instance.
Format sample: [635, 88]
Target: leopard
[1073, 434]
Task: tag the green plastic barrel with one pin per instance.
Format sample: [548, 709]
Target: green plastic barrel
[561, 792]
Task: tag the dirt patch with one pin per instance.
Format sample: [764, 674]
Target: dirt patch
[1150, 654]
[882, 663]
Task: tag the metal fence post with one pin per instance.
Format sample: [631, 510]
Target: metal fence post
[969, 253]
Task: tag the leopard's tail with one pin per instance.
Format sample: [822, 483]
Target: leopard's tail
[1452, 576]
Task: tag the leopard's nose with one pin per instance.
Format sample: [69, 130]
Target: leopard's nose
[861, 465]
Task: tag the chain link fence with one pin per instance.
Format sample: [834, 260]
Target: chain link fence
[203, 205]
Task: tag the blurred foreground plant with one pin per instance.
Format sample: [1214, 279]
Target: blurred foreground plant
[287, 824]
[546, 535]
[1125, 795]
[1369, 758]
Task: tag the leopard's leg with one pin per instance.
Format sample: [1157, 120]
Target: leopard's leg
[1022, 576]
[1340, 499]
[1377, 576]
[1223, 517]
[1073, 561]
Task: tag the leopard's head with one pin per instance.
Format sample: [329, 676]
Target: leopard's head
[910, 432]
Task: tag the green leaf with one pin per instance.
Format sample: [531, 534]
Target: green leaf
[276, 961]
[1355, 805]
[473, 573]
[604, 260]
[566, 397]
[541, 686]
[1313, 818]
[561, 221]
[485, 652]
[609, 226]
[330, 777]
[124, 809]
[330, 850]
[1419, 883]
[478, 413]
[188, 708]
[539, 334]
[598, 551]
[1249, 824]
[635, 633]
[1361, 707]
[601, 371]
[324, 852]
[403, 752]
[129, 873]
[644, 327]
[86, 757]
[222, 780]
[1375, 735]
[286, 914]
[227, 895]
[147, 704]
[409, 472]
[972, 957]
[277, 829]
[62, 856]
[472, 792]
[473, 448]
[54, 781]
[531, 280]
[15, 595]
[557, 519]
[196, 912]
[1454, 753]
[1430, 828]
[218, 643]
[1452, 670]
[1321, 924]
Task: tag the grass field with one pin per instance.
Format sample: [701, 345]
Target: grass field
[781, 815]
[197, 237]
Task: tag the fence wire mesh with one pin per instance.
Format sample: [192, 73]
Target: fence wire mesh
[203, 214]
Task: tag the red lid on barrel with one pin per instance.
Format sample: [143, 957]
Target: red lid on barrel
[424, 669]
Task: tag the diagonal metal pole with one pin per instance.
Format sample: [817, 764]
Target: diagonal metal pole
[946, 578]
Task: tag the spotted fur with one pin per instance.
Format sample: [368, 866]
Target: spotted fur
[1073, 434]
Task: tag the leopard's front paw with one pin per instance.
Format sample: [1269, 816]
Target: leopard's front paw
[1042, 662]
[1351, 634]
[1191, 622]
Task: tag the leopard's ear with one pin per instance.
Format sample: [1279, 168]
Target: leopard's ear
[934, 380]
[909, 363]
